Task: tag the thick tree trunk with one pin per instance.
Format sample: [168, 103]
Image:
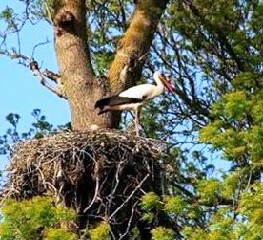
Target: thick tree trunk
[81, 86]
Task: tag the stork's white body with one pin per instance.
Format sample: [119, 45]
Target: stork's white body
[143, 91]
[134, 97]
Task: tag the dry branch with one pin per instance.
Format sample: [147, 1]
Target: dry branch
[58, 89]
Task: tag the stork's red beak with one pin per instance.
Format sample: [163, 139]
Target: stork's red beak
[167, 83]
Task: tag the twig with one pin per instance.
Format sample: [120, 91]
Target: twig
[39, 44]
[97, 179]
[128, 198]
[129, 223]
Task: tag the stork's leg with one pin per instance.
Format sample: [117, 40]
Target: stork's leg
[137, 120]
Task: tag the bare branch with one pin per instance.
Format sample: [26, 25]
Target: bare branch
[129, 223]
[129, 197]
[97, 180]
[39, 44]
[58, 90]
[52, 76]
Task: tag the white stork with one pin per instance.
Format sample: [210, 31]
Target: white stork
[134, 97]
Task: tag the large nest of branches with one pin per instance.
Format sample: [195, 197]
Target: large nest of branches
[102, 174]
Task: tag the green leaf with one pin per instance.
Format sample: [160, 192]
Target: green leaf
[150, 201]
[175, 205]
[162, 233]
[102, 231]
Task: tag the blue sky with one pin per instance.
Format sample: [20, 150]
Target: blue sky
[20, 91]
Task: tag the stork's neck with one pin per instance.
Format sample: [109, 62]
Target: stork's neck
[159, 83]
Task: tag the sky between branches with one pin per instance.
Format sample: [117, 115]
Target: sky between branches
[20, 91]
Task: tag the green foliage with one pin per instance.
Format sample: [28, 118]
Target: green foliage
[209, 190]
[221, 227]
[135, 234]
[232, 131]
[106, 23]
[251, 207]
[162, 233]
[150, 204]
[31, 219]
[150, 201]
[195, 233]
[102, 60]
[230, 183]
[102, 231]
[7, 13]
[175, 205]
[60, 234]
[9, 17]
[234, 106]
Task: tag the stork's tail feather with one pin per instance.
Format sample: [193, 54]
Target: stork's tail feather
[104, 110]
[103, 105]
[112, 103]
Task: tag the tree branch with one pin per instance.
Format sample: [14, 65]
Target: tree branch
[52, 76]
[134, 46]
[58, 90]
[129, 197]
[218, 34]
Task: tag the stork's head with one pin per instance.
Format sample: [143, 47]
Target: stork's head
[165, 81]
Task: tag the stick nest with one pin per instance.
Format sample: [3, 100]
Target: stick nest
[98, 173]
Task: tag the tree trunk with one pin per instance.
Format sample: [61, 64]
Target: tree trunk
[82, 88]
[78, 79]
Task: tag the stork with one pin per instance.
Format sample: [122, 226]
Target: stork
[133, 98]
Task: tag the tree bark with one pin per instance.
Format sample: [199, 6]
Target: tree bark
[135, 44]
[82, 88]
